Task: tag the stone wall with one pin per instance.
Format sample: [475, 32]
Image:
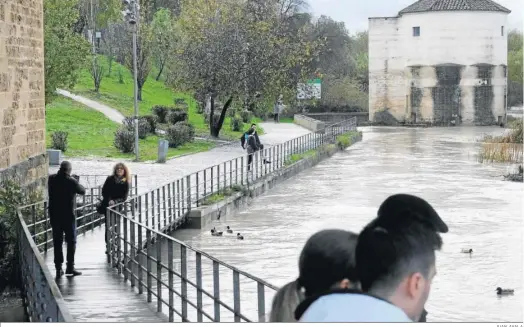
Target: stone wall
[310, 123]
[22, 107]
[452, 74]
[336, 117]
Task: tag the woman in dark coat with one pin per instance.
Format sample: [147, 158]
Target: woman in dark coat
[116, 188]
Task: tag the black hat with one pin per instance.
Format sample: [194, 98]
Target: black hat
[402, 206]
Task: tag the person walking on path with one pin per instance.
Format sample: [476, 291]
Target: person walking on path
[62, 189]
[258, 146]
[277, 110]
[115, 190]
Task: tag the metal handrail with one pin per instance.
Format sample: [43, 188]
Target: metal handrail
[44, 302]
[87, 218]
[140, 224]
[127, 254]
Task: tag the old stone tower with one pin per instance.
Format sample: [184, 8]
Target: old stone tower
[439, 61]
[22, 108]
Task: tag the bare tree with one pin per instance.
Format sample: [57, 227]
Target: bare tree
[97, 72]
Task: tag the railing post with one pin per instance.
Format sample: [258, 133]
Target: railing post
[225, 176]
[158, 274]
[183, 282]
[205, 182]
[242, 170]
[46, 227]
[124, 263]
[146, 204]
[109, 235]
[216, 290]
[188, 182]
[164, 205]
[178, 205]
[230, 173]
[218, 178]
[171, 272]
[236, 170]
[261, 302]
[119, 244]
[133, 252]
[153, 209]
[170, 203]
[159, 206]
[148, 265]
[212, 180]
[138, 259]
[236, 295]
[33, 214]
[197, 190]
[199, 286]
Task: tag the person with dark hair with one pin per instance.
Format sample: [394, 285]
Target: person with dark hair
[115, 189]
[62, 190]
[326, 262]
[256, 146]
[395, 257]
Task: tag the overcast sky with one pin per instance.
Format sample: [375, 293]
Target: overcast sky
[355, 13]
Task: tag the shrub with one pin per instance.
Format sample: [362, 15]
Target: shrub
[180, 133]
[246, 116]
[175, 116]
[151, 120]
[161, 113]
[124, 140]
[12, 197]
[59, 140]
[181, 104]
[143, 126]
[236, 124]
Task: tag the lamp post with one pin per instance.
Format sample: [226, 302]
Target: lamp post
[131, 16]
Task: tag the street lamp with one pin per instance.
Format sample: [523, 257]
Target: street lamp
[130, 14]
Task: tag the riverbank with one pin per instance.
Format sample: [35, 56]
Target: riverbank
[229, 201]
[12, 307]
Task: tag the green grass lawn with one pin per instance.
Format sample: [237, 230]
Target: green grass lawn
[91, 134]
[120, 97]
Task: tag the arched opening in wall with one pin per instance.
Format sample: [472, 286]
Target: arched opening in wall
[484, 95]
[447, 95]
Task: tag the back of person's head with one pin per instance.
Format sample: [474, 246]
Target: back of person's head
[395, 257]
[327, 261]
[65, 167]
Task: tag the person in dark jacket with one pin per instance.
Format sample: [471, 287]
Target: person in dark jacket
[116, 188]
[258, 146]
[62, 190]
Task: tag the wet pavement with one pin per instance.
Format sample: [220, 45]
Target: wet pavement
[100, 295]
[483, 212]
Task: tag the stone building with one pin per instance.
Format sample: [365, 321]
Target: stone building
[22, 109]
[439, 61]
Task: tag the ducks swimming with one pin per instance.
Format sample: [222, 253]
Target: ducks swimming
[501, 291]
[470, 251]
[229, 230]
[240, 237]
[214, 232]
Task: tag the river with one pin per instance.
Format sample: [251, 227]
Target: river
[482, 211]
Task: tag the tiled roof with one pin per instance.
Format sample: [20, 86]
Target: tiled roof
[453, 5]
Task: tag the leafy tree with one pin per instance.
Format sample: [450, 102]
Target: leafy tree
[65, 51]
[515, 68]
[164, 37]
[210, 52]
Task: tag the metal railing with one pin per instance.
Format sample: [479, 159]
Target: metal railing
[43, 300]
[167, 206]
[186, 283]
[37, 219]
[178, 276]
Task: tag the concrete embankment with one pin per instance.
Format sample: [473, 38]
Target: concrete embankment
[202, 216]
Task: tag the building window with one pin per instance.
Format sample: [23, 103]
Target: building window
[416, 31]
[502, 31]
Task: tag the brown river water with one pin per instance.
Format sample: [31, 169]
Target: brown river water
[482, 211]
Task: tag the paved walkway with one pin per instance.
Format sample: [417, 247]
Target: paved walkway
[102, 296]
[109, 112]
